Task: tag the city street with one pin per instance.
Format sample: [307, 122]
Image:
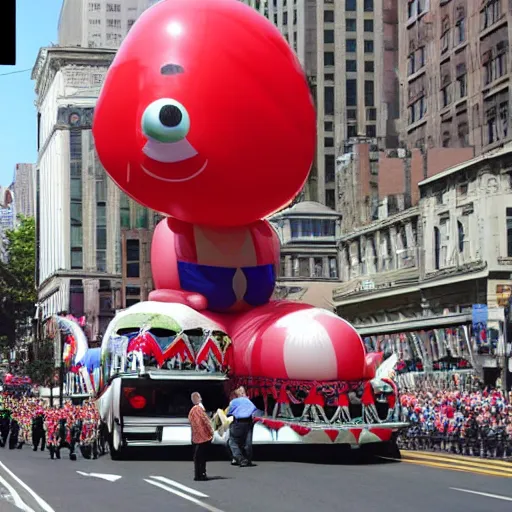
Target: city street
[421, 481]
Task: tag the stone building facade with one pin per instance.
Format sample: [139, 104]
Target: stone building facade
[80, 211]
[455, 70]
[309, 269]
[349, 50]
[417, 274]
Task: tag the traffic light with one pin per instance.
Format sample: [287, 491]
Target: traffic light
[8, 31]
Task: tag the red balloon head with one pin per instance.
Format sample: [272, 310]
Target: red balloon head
[206, 114]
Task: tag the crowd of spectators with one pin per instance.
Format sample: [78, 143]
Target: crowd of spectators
[472, 422]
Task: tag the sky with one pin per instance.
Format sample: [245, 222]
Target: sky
[36, 27]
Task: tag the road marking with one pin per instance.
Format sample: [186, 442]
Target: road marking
[201, 504]
[486, 494]
[38, 498]
[462, 458]
[180, 486]
[103, 476]
[18, 502]
[457, 466]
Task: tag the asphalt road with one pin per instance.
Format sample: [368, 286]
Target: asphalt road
[295, 482]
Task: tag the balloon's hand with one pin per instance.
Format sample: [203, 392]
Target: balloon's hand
[194, 300]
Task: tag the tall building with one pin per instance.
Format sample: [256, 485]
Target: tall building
[24, 189]
[6, 219]
[349, 51]
[455, 73]
[80, 211]
[100, 23]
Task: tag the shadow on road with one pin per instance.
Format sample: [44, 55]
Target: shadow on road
[315, 454]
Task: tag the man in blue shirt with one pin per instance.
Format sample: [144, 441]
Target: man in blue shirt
[240, 431]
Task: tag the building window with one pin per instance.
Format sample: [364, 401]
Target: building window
[328, 142]
[350, 5]
[94, 6]
[445, 96]
[371, 114]
[417, 110]
[463, 132]
[369, 66]
[307, 228]
[351, 114]
[437, 248]
[329, 101]
[330, 200]
[351, 45]
[412, 9]
[76, 206]
[351, 92]
[113, 7]
[113, 23]
[329, 77]
[509, 232]
[328, 58]
[490, 13]
[141, 217]
[368, 25]
[368, 46]
[350, 25]
[125, 211]
[328, 126]
[328, 36]
[369, 93]
[351, 130]
[460, 31]
[329, 165]
[101, 223]
[328, 16]
[368, 5]
[351, 65]
[76, 298]
[461, 81]
[333, 268]
[445, 142]
[412, 63]
[371, 130]
[132, 258]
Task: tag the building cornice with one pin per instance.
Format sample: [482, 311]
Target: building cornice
[380, 224]
[51, 59]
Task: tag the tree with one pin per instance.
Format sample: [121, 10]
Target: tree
[18, 294]
[42, 369]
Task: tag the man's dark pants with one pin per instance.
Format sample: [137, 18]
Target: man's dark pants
[240, 439]
[200, 455]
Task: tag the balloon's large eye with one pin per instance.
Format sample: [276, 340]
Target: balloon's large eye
[166, 120]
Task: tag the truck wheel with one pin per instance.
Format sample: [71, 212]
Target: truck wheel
[114, 454]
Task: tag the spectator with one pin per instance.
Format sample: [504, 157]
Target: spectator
[202, 435]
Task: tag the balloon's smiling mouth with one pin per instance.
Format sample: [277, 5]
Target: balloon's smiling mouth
[176, 180]
[162, 153]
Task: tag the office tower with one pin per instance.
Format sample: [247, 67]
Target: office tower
[455, 72]
[348, 49]
[100, 23]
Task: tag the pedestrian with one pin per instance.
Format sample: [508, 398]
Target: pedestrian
[202, 435]
[38, 433]
[240, 431]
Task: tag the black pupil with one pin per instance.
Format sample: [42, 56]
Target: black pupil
[170, 116]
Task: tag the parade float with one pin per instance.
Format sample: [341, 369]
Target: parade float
[206, 116]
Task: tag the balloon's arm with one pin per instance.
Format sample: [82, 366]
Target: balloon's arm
[194, 300]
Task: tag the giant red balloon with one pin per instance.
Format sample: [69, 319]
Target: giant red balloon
[206, 114]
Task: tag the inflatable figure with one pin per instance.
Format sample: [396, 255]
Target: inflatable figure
[207, 117]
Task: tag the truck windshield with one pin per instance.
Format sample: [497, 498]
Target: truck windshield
[170, 398]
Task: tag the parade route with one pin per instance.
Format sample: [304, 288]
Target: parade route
[287, 485]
